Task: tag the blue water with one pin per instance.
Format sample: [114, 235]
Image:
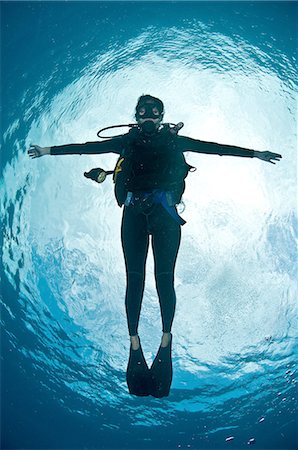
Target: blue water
[228, 71]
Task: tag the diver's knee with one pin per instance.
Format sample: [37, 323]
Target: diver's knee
[164, 276]
[135, 274]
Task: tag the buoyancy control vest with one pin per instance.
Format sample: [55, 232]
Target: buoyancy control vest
[149, 163]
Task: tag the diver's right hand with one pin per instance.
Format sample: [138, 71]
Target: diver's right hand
[35, 151]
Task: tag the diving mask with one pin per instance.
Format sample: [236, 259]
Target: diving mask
[149, 117]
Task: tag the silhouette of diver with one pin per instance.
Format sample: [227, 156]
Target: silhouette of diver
[149, 181]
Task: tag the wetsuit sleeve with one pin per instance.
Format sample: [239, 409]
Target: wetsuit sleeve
[187, 144]
[89, 148]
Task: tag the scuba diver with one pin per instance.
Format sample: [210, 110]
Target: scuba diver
[149, 182]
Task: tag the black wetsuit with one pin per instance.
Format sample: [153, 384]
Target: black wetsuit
[157, 222]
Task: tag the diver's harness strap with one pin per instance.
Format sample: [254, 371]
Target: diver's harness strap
[141, 202]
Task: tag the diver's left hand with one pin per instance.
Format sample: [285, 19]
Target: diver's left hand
[268, 156]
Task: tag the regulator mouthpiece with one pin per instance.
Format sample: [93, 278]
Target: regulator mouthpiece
[149, 126]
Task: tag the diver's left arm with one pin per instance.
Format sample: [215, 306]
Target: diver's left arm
[194, 145]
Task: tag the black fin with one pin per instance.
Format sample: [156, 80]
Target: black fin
[138, 374]
[162, 372]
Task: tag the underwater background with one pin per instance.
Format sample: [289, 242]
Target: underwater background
[228, 71]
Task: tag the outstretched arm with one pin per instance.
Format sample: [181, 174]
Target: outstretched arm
[89, 148]
[194, 145]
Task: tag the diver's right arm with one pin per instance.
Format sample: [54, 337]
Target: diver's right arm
[113, 145]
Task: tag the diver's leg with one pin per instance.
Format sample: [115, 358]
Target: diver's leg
[135, 247]
[135, 240]
[166, 237]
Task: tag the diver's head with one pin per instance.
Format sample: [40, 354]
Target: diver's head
[149, 113]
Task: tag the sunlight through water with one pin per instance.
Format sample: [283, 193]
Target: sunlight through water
[236, 318]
